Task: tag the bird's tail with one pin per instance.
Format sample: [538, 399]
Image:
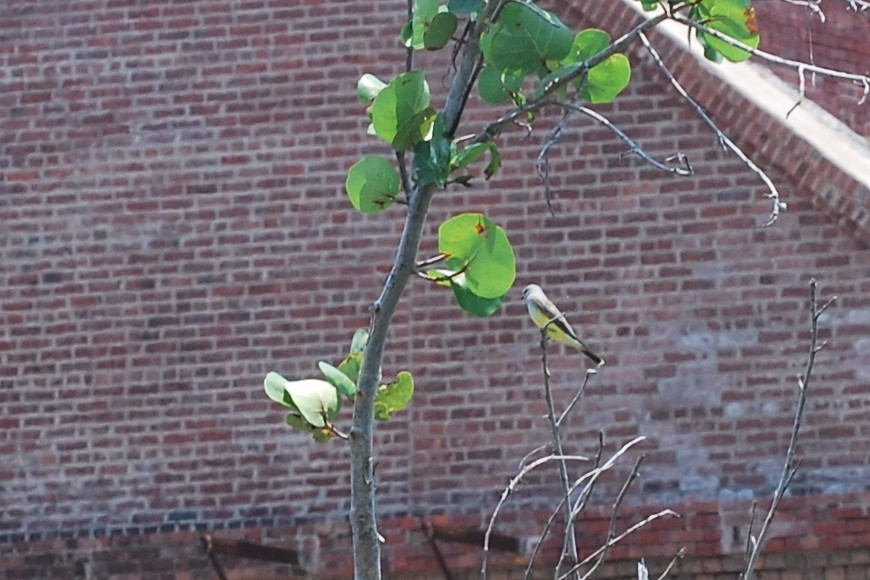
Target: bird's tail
[593, 357]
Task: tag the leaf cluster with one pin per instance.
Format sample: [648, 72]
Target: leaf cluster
[315, 403]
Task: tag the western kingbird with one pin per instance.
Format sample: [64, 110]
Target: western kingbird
[544, 312]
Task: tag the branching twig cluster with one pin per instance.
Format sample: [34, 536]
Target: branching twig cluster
[790, 468]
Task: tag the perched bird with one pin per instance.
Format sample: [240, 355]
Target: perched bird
[543, 312]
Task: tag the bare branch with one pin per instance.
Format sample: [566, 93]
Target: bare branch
[684, 170]
[772, 192]
[646, 521]
[497, 126]
[577, 395]
[542, 164]
[570, 542]
[813, 5]
[611, 528]
[677, 557]
[858, 5]
[511, 487]
[583, 495]
[789, 469]
[860, 79]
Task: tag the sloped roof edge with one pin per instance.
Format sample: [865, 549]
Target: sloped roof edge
[816, 151]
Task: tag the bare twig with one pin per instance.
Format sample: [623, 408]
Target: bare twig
[620, 44]
[583, 495]
[592, 477]
[683, 170]
[860, 79]
[772, 192]
[677, 557]
[576, 398]
[646, 521]
[542, 164]
[570, 541]
[511, 487]
[858, 5]
[813, 5]
[611, 528]
[789, 469]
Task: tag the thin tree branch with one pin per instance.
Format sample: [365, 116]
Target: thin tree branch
[577, 395]
[726, 143]
[593, 474]
[570, 541]
[863, 80]
[511, 487]
[496, 127]
[789, 469]
[611, 528]
[683, 171]
[858, 5]
[542, 164]
[813, 5]
[677, 557]
[646, 521]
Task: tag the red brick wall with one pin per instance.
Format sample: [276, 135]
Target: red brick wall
[174, 226]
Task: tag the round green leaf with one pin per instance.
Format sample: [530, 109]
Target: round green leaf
[587, 44]
[462, 7]
[368, 86]
[401, 114]
[440, 31]
[274, 385]
[524, 38]
[359, 341]
[394, 396]
[481, 250]
[372, 184]
[345, 385]
[491, 87]
[734, 18]
[606, 80]
[471, 302]
[316, 400]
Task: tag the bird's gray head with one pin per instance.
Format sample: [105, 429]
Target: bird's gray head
[529, 289]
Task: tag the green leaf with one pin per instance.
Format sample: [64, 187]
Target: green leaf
[440, 31]
[432, 158]
[422, 14]
[274, 385]
[461, 7]
[587, 44]
[359, 341]
[649, 5]
[471, 302]
[296, 421]
[481, 250]
[368, 86]
[401, 114]
[494, 161]
[491, 87]
[733, 18]
[469, 155]
[394, 397]
[351, 366]
[524, 38]
[316, 400]
[372, 184]
[345, 385]
[606, 80]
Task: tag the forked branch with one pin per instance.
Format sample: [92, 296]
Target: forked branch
[790, 468]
